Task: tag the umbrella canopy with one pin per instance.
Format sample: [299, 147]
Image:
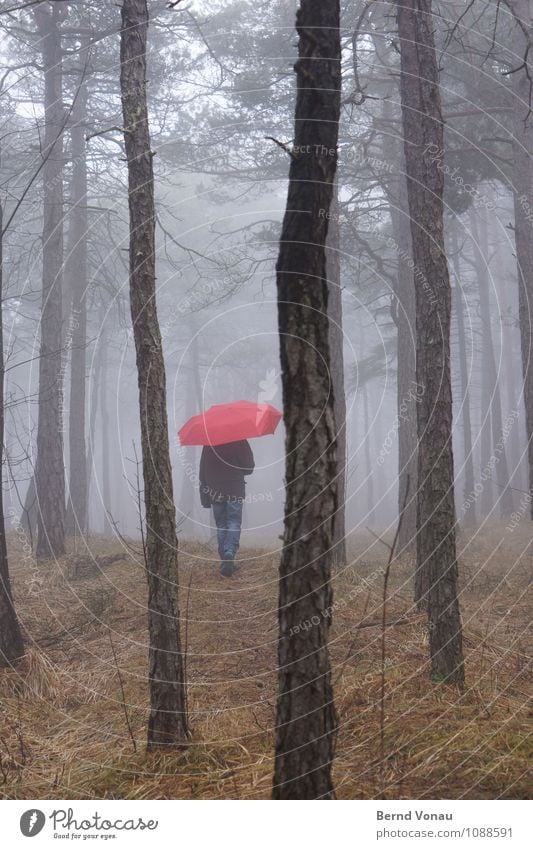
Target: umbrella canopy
[224, 423]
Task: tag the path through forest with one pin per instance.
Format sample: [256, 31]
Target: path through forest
[64, 732]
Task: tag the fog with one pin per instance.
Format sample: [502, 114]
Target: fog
[215, 98]
[302, 230]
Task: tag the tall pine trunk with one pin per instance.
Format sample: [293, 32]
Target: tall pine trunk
[510, 354]
[306, 722]
[523, 207]
[105, 430]
[168, 719]
[77, 321]
[11, 645]
[436, 584]
[49, 469]
[369, 470]
[95, 383]
[336, 343]
[403, 314]
[498, 449]
[459, 302]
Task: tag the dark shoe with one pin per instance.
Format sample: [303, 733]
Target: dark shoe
[227, 567]
[236, 567]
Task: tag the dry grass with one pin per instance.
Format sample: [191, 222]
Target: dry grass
[63, 732]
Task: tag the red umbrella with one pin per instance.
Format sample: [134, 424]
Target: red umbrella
[224, 423]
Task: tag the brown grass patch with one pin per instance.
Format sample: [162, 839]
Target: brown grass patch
[62, 728]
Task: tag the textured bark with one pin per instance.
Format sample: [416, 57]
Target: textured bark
[192, 403]
[523, 208]
[306, 719]
[11, 644]
[49, 470]
[77, 321]
[403, 313]
[336, 343]
[168, 719]
[436, 548]
[469, 518]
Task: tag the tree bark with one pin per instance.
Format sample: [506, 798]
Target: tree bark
[336, 343]
[403, 314]
[49, 469]
[168, 719]
[469, 517]
[306, 721]
[28, 518]
[523, 209]
[11, 643]
[436, 584]
[77, 324]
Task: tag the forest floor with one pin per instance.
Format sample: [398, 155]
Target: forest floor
[73, 714]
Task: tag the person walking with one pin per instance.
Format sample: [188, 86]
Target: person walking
[222, 487]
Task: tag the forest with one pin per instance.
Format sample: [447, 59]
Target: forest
[266, 399]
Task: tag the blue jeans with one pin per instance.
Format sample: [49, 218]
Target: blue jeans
[228, 518]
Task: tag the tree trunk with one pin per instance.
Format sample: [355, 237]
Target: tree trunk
[436, 574]
[369, 471]
[168, 718]
[77, 325]
[193, 403]
[490, 375]
[11, 644]
[96, 382]
[336, 343]
[403, 313]
[49, 470]
[523, 209]
[469, 517]
[510, 353]
[28, 518]
[306, 722]
[107, 512]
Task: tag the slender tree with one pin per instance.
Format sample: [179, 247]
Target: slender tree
[50, 470]
[523, 203]
[490, 384]
[336, 343]
[105, 429]
[459, 301]
[403, 313]
[168, 719]
[436, 574]
[306, 721]
[11, 644]
[76, 325]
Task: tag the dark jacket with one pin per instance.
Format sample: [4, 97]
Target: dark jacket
[222, 471]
